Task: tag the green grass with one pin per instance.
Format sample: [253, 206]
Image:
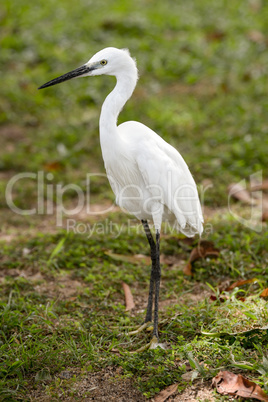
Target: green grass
[203, 88]
[44, 333]
[202, 85]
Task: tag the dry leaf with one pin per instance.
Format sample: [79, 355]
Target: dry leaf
[263, 199]
[128, 297]
[264, 293]
[241, 282]
[227, 288]
[265, 216]
[222, 299]
[54, 166]
[165, 394]
[187, 270]
[228, 383]
[215, 36]
[239, 192]
[259, 186]
[204, 249]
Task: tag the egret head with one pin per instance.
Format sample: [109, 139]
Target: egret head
[109, 61]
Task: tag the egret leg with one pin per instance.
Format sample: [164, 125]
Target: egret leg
[157, 278]
[149, 311]
[154, 280]
[152, 244]
[153, 290]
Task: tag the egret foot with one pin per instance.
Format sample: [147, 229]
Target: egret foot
[147, 326]
[151, 345]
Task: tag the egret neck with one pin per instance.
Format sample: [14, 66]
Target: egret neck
[114, 103]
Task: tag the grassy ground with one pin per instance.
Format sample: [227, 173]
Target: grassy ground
[203, 88]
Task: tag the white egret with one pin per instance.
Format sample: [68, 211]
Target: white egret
[149, 177]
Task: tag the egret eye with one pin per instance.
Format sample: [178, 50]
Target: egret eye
[103, 62]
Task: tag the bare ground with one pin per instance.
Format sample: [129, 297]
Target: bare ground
[108, 385]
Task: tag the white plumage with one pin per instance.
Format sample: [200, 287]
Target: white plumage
[149, 177]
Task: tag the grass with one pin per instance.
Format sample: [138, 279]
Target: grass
[46, 331]
[202, 87]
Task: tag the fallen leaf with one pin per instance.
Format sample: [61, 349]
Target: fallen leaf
[259, 186]
[222, 299]
[227, 287]
[133, 259]
[204, 249]
[264, 293]
[265, 216]
[238, 191]
[128, 297]
[215, 36]
[241, 282]
[54, 166]
[227, 383]
[165, 394]
[187, 270]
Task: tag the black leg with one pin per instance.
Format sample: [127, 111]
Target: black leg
[150, 239]
[157, 278]
[154, 288]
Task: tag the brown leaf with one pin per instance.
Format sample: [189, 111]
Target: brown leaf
[264, 293]
[128, 297]
[215, 36]
[263, 199]
[54, 166]
[222, 299]
[228, 383]
[259, 186]
[265, 216]
[187, 270]
[165, 394]
[226, 287]
[241, 282]
[204, 249]
[237, 191]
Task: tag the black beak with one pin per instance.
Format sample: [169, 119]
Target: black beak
[72, 74]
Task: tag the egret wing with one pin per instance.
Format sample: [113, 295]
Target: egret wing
[168, 178]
